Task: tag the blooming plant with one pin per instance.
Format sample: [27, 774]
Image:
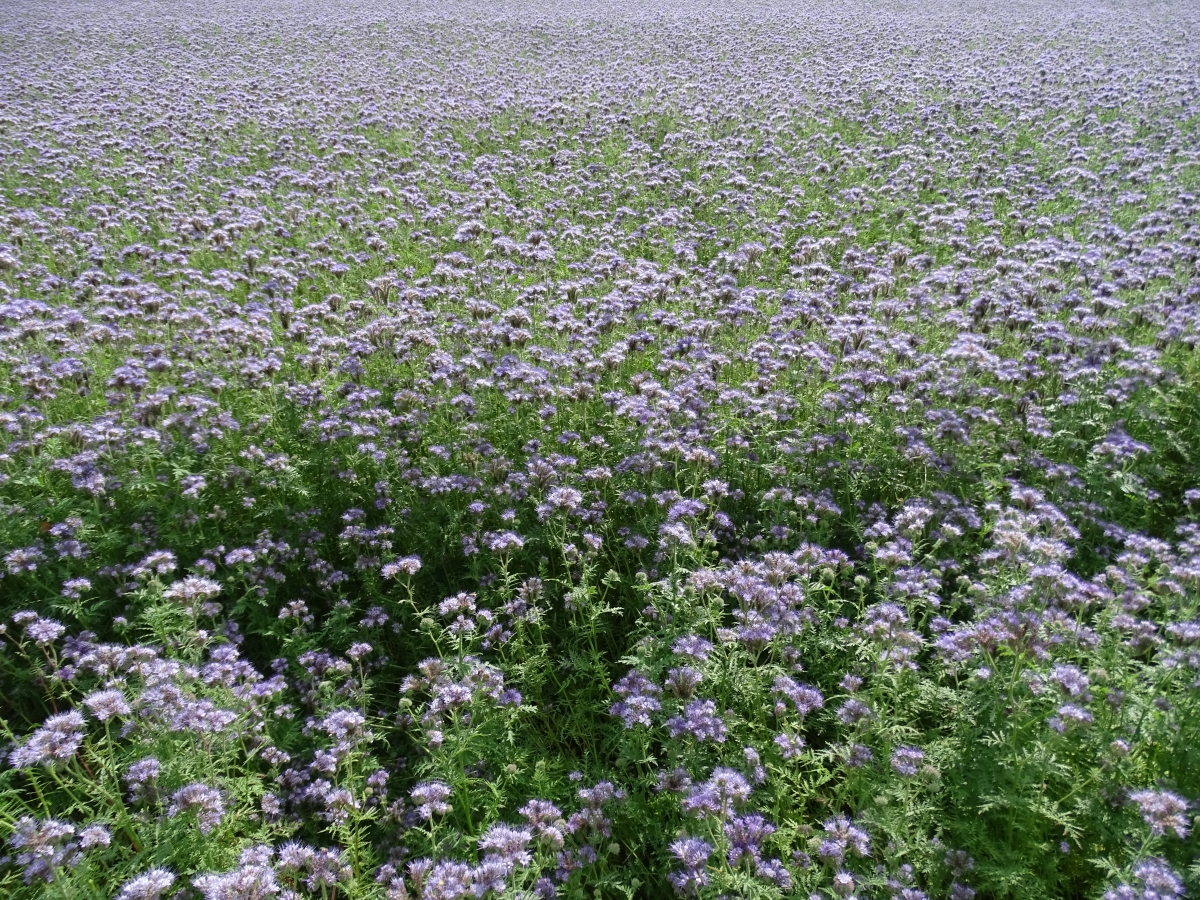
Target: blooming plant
[599, 451]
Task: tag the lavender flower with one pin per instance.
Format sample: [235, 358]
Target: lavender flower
[745, 835]
[150, 885]
[503, 542]
[683, 681]
[74, 588]
[639, 699]
[694, 646]
[717, 796]
[206, 802]
[694, 854]
[447, 880]
[44, 632]
[843, 837]
[252, 880]
[508, 844]
[1070, 680]
[843, 884]
[907, 760]
[431, 798]
[790, 745]
[105, 705]
[700, 720]
[804, 698]
[1163, 811]
[193, 589]
[44, 847]
[1153, 880]
[94, 836]
[141, 774]
[855, 713]
[1070, 716]
[57, 740]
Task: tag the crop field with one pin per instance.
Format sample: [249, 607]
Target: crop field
[599, 451]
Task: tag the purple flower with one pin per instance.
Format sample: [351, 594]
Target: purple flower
[745, 835]
[193, 485]
[254, 879]
[408, 565]
[694, 646]
[775, 871]
[843, 884]
[1070, 679]
[294, 856]
[758, 770]
[676, 781]
[790, 745]
[843, 837]
[718, 795]
[74, 588]
[447, 880]
[25, 559]
[685, 509]
[44, 632]
[345, 726]
[44, 847]
[855, 713]
[502, 542]
[693, 853]
[490, 875]
[150, 885]
[94, 836]
[508, 844]
[700, 720]
[142, 772]
[639, 699]
[240, 557]
[540, 813]
[458, 605]
[907, 760]
[1070, 716]
[57, 740]
[959, 862]
[563, 499]
[205, 801]
[104, 705]
[634, 683]
[887, 625]
[1153, 880]
[430, 797]
[803, 697]
[1163, 811]
[683, 681]
[193, 589]
[858, 755]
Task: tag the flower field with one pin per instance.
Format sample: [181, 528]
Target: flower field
[599, 450]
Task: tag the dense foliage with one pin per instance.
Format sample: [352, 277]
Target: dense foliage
[538, 450]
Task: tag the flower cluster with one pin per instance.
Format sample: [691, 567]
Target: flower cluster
[480, 450]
